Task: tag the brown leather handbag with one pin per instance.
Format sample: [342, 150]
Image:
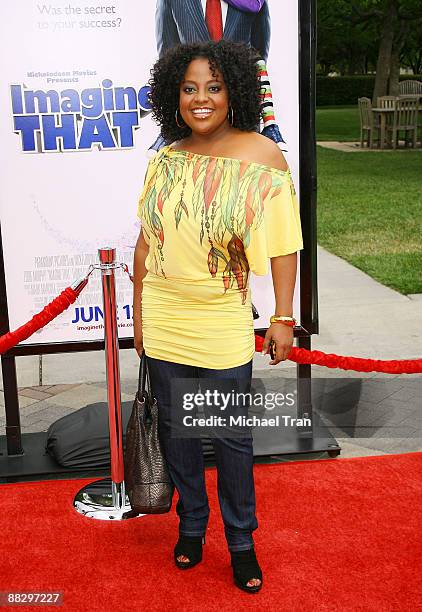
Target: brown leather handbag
[147, 480]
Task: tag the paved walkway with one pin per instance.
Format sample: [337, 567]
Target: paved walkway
[353, 147]
[358, 316]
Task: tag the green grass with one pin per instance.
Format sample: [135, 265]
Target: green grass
[340, 123]
[370, 213]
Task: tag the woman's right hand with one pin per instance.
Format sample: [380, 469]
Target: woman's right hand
[137, 337]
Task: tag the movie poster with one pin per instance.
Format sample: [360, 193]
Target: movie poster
[77, 133]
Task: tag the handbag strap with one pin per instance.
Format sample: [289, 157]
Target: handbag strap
[144, 384]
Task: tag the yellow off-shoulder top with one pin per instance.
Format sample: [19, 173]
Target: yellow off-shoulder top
[209, 221]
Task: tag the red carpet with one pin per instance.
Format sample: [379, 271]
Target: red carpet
[337, 535]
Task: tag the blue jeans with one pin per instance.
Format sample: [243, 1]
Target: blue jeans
[234, 460]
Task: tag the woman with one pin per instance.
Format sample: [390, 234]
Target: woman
[217, 202]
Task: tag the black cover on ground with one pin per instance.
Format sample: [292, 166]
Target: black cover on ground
[81, 439]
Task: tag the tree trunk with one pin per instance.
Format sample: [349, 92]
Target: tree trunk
[393, 83]
[384, 51]
[401, 34]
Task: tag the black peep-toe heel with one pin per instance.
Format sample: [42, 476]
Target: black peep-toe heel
[191, 547]
[245, 568]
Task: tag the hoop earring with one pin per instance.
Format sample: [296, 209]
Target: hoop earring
[177, 123]
[231, 112]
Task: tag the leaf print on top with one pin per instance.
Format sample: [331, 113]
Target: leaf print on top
[181, 205]
[222, 199]
[237, 267]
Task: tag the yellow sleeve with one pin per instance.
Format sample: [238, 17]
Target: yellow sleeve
[279, 232]
[148, 175]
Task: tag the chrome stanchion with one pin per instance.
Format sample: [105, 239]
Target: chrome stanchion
[106, 499]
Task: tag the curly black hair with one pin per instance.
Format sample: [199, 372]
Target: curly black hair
[236, 62]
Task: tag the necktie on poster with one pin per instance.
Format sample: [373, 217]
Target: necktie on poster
[214, 19]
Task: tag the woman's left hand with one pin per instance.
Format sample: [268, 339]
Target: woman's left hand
[282, 337]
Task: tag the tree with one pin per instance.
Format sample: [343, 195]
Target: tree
[411, 56]
[394, 19]
[343, 45]
[393, 26]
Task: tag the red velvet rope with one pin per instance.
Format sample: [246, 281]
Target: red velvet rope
[299, 355]
[49, 312]
[358, 364]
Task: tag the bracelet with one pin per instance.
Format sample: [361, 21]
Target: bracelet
[290, 321]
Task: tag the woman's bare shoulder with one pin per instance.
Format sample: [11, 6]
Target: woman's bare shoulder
[263, 150]
[176, 144]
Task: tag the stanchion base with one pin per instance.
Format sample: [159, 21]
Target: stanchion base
[96, 501]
